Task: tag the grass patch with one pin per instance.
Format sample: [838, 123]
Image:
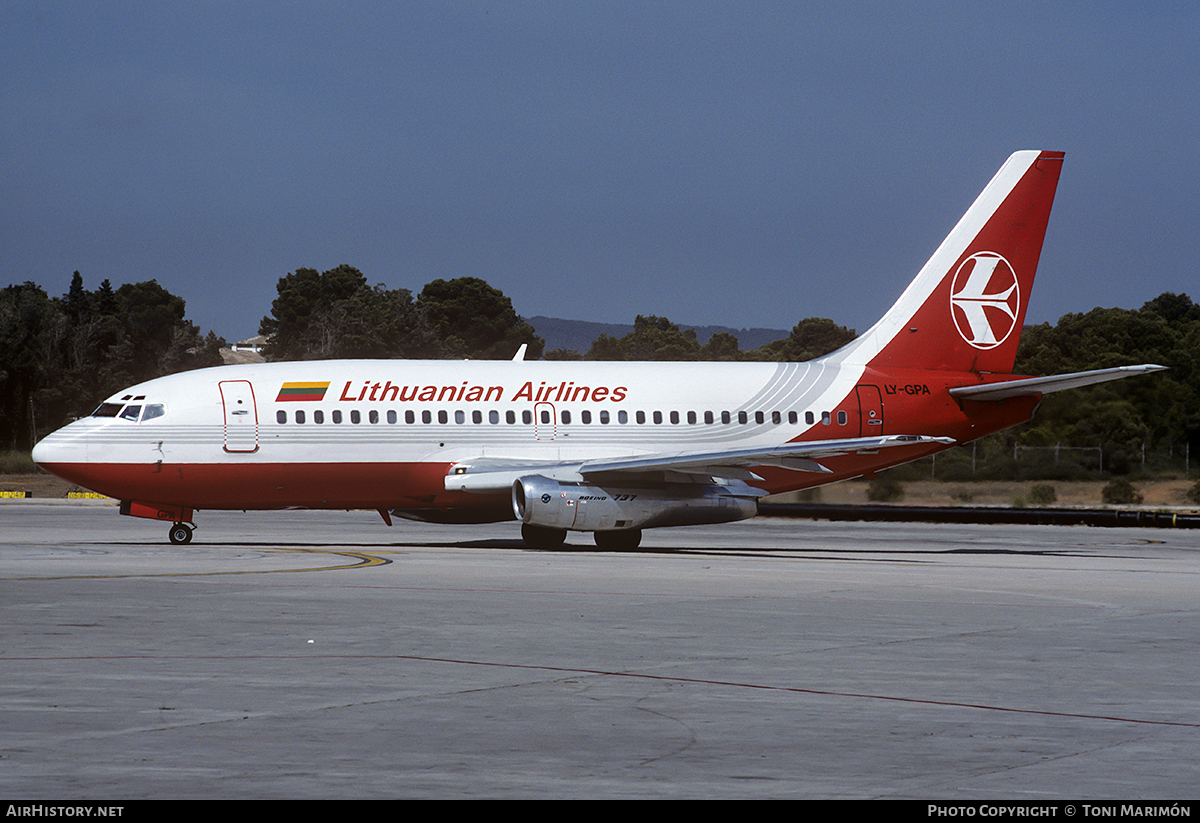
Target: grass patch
[16, 462]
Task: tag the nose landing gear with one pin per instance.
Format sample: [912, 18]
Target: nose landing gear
[180, 533]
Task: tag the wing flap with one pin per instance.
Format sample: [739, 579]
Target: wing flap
[494, 476]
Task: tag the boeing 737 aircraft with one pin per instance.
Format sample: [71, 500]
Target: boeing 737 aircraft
[609, 448]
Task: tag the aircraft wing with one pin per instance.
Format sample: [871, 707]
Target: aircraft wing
[498, 474]
[1048, 385]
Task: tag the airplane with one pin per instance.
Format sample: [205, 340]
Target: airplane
[609, 448]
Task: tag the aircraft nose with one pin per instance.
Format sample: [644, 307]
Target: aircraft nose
[43, 452]
[57, 448]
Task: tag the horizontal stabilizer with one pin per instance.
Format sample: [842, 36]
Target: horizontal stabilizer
[1048, 385]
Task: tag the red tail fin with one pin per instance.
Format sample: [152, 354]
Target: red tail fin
[965, 309]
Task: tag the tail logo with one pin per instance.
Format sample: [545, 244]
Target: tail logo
[985, 300]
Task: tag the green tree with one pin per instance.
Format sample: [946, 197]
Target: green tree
[812, 337]
[652, 338]
[336, 314]
[721, 346]
[59, 357]
[472, 319]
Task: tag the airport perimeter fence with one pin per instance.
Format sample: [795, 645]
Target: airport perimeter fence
[1001, 515]
[985, 460]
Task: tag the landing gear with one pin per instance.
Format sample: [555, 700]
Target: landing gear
[541, 537]
[625, 540]
[181, 534]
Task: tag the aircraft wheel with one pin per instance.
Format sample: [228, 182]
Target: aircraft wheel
[625, 540]
[180, 534]
[541, 537]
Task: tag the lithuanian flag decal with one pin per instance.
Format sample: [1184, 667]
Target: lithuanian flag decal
[302, 391]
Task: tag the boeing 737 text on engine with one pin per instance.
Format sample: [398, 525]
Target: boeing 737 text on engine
[609, 448]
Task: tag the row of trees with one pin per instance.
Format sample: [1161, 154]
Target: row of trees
[337, 314]
[657, 338]
[1126, 420]
[59, 356]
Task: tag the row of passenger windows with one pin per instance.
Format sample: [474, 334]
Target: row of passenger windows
[565, 417]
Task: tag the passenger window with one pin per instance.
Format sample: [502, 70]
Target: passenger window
[443, 417]
[674, 418]
[657, 417]
[604, 418]
[460, 417]
[708, 418]
[299, 417]
[336, 415]
[280, 417]
[585, 417]
[691, 418]
[622, 417]
[318, 416]
[792, 418]
[725, 417]
[410, 417]
[526, 417]
[355, 417]
[825, 419]
[841, 418]
[742, 418]
[373, 416]
[808, 418]
[759, 417]
[426, 417]
[776, 418]
[391, 416]
[493, 417]
[566, 417]
[510, 417]
[640, 417]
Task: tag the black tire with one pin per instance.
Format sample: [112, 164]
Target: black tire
[625, 540]
[540, 537]
[180, 534]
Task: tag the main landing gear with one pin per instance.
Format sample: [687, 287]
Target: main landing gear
[625, 540]
[181, 534]
[542, 537]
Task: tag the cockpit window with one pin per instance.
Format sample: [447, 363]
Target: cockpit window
[107, 410]
[152, 411]
[131, 412]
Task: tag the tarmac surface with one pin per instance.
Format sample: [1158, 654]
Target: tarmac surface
[324, 655]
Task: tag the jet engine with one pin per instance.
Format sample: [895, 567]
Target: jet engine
[540, 501]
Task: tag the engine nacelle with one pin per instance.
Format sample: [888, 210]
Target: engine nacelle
[540, 501]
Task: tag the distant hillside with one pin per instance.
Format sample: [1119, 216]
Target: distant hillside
[579, 334]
